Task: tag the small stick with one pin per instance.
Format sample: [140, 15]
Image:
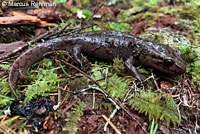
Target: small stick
[111, 124]
[155, 81]
[122, 106]
[59, 32]
[68, 107]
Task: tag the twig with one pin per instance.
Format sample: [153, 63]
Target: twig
[68, 107]
[178, 109]
[58, 33]
[155, 81]
[122, 106]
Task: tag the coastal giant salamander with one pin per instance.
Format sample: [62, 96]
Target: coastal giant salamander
[104, 45]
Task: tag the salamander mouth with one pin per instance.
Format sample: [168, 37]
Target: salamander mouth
[172, 70]
[176, 71]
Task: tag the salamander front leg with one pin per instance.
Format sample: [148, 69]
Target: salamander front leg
[132, 70]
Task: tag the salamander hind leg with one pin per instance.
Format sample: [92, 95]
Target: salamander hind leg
[22, 75]
[13, 78]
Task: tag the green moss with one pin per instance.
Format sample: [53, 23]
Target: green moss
[94, 28]
[4, 66]
[193, 27]
[44, 82]
[85, 2]
[4, 92]
[166, 36]
[187, 10]
[155, 106]
[115, 85]
[149, 15]
[150, 103]
[73, 117]
[119, 26]
[119, 66]
[125, 15]
[138, 4]
[192, 56]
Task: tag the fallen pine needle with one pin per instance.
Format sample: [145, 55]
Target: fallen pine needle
[8, 130]
[111, 124]
[9, 120]
[53, 94]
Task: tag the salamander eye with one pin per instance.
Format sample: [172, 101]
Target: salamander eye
[168, 62]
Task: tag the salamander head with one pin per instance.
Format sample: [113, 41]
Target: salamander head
[162, 58]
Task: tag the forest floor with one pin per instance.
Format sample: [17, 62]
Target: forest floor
[53, 95]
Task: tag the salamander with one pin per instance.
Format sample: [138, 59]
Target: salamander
[105, 45]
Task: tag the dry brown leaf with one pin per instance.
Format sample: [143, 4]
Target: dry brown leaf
[165, 86]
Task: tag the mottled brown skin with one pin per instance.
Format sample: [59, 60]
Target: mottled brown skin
[104, 45]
